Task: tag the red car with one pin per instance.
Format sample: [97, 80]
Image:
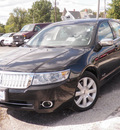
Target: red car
[27, 32]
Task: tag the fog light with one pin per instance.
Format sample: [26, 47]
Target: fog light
[47, 104]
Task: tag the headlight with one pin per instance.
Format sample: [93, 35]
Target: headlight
[50, 77]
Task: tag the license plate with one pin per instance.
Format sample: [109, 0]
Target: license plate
[2, 95]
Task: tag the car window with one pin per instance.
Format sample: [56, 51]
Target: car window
[116, 28]
[37, 28]
[104, 31]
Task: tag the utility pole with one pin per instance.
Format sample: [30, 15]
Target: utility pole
[55, 12]
[104, 8]
[98, 9]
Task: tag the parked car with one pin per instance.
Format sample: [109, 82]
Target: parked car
[62, 66]
[8, 41]
[27, 32]
[4, 36]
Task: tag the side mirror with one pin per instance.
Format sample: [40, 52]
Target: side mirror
[106, 42]
[103, 43]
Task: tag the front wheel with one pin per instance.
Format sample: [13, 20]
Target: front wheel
[2, 43]
[86, 92]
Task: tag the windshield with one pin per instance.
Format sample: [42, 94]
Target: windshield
[27, 28]
[63, 35]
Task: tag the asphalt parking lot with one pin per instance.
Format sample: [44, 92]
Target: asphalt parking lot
[105, 115]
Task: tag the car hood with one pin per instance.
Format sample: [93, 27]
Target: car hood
[39, 59]
[21, 33]
[8, 39]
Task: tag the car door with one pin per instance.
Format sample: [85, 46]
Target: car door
[107, 56]
[116, 28]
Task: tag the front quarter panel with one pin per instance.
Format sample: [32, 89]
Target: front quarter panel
[86, 61]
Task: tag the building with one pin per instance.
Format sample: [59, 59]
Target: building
[70, 15]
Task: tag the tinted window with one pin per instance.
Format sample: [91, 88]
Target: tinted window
[116, 28]
[37, 28]
[104, 31]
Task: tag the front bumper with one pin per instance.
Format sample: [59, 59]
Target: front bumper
[7, 43]
[16, 43]
[32, 98]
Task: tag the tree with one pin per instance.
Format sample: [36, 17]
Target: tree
[10, 28]
[2, 29]
[101, 15]
[40, 12]
[87, 10]
[30, 16]
[114, 10]
[10, 24]
[53, 15]
[16, 20]
[19, 18]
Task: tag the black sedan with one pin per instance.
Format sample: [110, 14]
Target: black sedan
[62, 66]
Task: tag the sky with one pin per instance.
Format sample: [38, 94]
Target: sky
[7, 6]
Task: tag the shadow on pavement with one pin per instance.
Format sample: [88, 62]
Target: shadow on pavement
[107, 103]
[40, 119]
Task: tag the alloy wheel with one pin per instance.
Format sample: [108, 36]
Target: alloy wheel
[86, 92]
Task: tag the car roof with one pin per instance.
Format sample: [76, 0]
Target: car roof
[93, 20]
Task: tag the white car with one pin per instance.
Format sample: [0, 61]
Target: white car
[4, 37]
[8, 41]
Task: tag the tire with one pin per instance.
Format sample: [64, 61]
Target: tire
[18, 45]
[2, 44]
[86, 93]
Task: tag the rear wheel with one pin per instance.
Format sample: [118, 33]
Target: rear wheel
[86, 92]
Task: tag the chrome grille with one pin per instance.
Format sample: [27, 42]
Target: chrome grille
[18, 38]
[15, 80]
